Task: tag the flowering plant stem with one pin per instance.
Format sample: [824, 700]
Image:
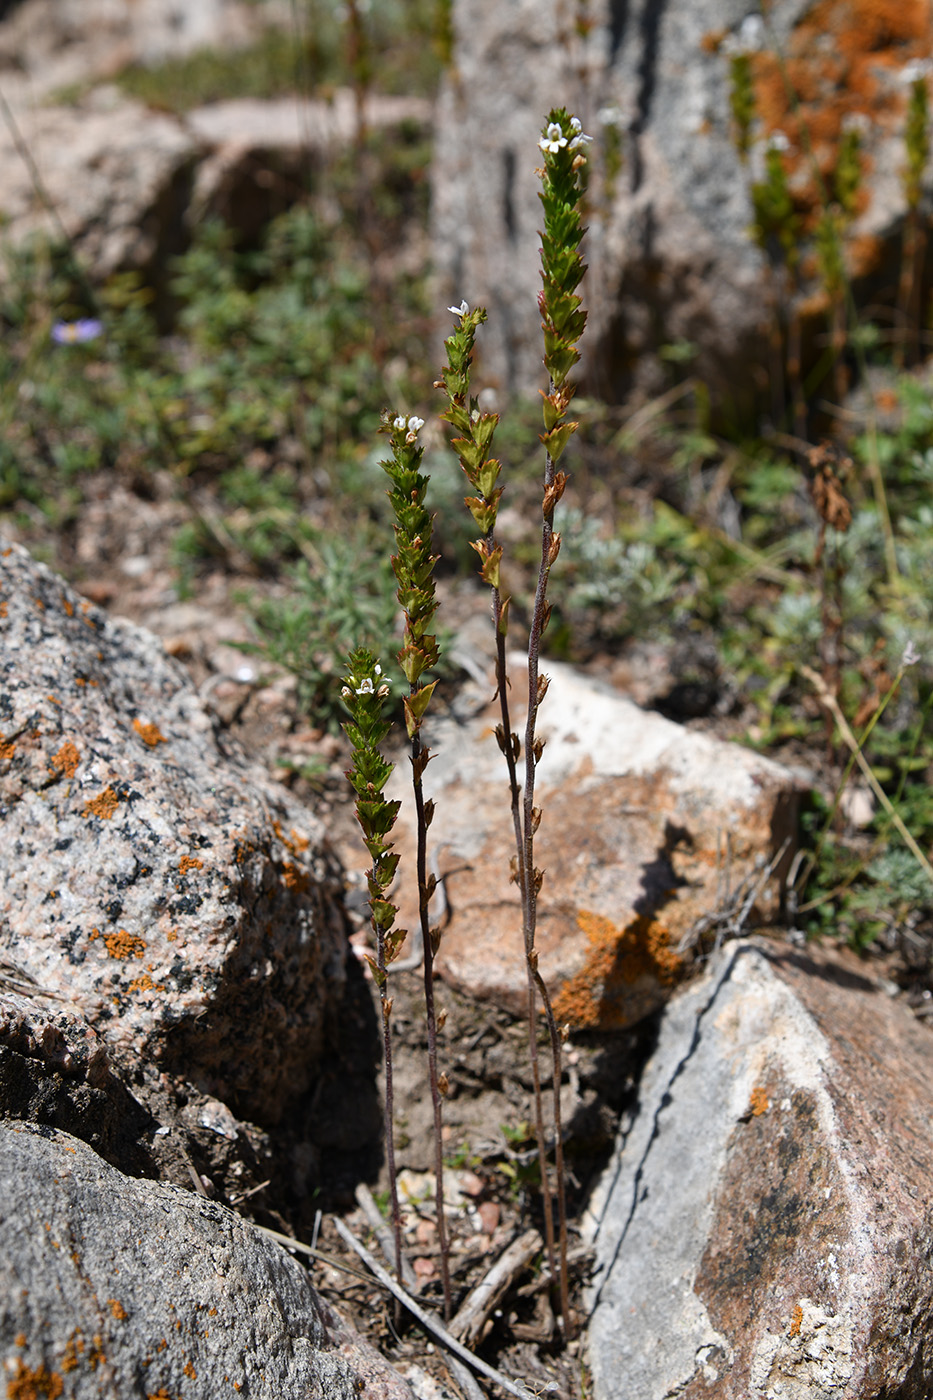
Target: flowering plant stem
[414, 565]
[563, 321]
[364, 691]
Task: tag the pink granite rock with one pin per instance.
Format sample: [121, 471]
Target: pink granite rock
[646, 827]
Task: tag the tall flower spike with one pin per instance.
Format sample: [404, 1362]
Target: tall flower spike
[413, 564]
[363, 692]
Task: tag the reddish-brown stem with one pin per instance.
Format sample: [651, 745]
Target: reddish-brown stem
[389, 1098]
[419, 757]
[530, 911]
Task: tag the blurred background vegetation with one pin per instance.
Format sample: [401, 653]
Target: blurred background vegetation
[257, 382]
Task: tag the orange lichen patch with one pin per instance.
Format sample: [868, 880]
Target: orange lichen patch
[69, 607]
[69, 1361]
[796, 1318]
[190, 863]
[121, 944]
[96, 1357]
[150, 734]
[53, 700]
[759, 1102]
[864, 254]
[40, 1384]
[141, 984]
[103, 805]
[66, 760]
[295, 878]
[886, 400]
[7, 749]
[171, 935]
[3, 609]
[117, 1308]
[160, 1394]
[189, 1371]
[615, 956]
[294, 843]
[831, 72]
[712, 40]
[20, 1339]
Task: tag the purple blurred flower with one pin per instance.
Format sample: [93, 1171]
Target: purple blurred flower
[76, 332]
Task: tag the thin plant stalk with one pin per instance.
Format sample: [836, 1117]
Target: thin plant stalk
[563, 320]
[364, 691]
[413, 564]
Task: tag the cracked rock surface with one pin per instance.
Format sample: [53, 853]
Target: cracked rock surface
[764, 1230]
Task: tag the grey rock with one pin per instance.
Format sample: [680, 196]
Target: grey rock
[124, 1288]
[669, 246]
[150, 877]
[763, 1230]
[129, 184]
[45, 44]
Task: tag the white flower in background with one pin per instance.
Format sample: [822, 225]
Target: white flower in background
[609, 116]
[748, 38]
[778, 141]
[916, 68]
[553, 139]
[460, 311]
[911, 655]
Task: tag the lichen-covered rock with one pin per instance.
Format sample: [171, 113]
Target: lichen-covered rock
[670, 248]
[122, 1288]
[763, 1232]
[187, 907]
[646, 827]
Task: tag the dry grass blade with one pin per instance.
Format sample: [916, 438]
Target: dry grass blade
[431, 1323]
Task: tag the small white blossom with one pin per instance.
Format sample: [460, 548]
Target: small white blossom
[749, 38]
[916, 68]
[778, 141]
[365, 686]
[609, 116]
[346, 692]
[553, 139]
[400, 424]
[580, 140]
[911, 655]
[415, 425]
[460, 310]
[576, 126]
[377, 669]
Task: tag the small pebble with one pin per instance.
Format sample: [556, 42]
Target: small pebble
[488, 1212]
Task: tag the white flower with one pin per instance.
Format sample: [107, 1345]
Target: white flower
[365, 686]
[911, 655]
[415, 425]
[778, 141]
[916, 68]
[553, 139]
[576, 126]
[377, 669]
[400, 424]
[609, 116]
[460, 310]
[579, 141]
